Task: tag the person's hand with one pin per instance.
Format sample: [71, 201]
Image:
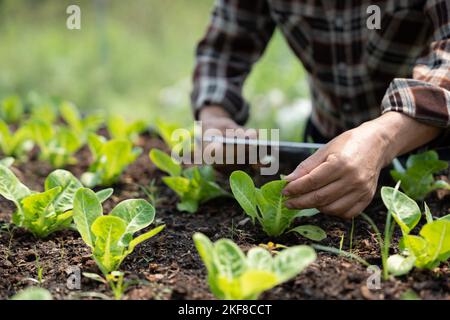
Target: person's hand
[218, 122]
[340, 179]
[215, 117]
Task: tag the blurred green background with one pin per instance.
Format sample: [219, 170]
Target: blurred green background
[134, 58]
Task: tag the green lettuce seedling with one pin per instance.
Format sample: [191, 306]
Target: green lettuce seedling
[110, 159]
[81, 126]
[42, 107]
[11, 109]
[426, 250]
[7, 162]
[118, 128]
[417, 179]
[194, 185]
[43, 213]
[234, 276]
[111, 236]
[177, 143]
[16, 144]
[266, 205]
[115, 280]
[33, 293]
[57, 144]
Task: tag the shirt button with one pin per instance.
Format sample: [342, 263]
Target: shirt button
[347, 107]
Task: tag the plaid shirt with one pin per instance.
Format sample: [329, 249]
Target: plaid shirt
[404, 66]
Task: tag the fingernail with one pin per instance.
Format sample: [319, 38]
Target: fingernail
[285, 193]
[288, 177]
[288, 205]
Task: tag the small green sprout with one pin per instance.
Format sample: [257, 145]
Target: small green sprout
[232, 275]
[417, 179]
[43, 213]
[194, 185]
[118, 128]
[110, 237]
[11, 109]
[33, 293]
[266, 205]
[57, 144]
[16, 144]
[110, 159]
[81, 126]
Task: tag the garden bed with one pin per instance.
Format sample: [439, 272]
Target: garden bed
[168, 266]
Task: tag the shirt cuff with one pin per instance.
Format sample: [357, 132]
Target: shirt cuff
[220, 93]
[423, 102]
[420, 100]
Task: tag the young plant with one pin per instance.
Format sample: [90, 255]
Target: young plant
[57, 144]
[417, 179]
[176, 142]
[194, 185]
[115, 280]
[33, 293]
[7, 162]
[110, 159]
[42, 107]
[234, 276]
[426, 250]
[111, 236]
[385, 242]
[39, 272]
[11, 109]
[118, 128]
[266, 205]
[81, 126]
[43, 213]
[16, 144]
[152, 192]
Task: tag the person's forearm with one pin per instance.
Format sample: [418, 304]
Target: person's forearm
[402, 133]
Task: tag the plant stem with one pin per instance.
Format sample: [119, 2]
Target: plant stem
[384, 245]
[117, 284]
[398, 165]
[341, 252]
[351, 235]
[388, 231]
[374, 227]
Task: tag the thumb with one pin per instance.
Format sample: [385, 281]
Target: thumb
[307, 165]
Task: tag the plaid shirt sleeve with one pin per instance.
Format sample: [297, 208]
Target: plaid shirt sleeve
[237, 36]
[426, 97]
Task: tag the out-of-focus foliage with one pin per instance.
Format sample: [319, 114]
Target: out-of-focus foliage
[130, 57]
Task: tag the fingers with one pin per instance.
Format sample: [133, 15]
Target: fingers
[319, 198]
[326, 173]
[346, 207]
[307, 165]
[356, 210]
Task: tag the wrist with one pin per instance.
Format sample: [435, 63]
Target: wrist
[213, 111]
[382, 142]
[399, 133]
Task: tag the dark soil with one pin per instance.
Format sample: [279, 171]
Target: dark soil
[168, 267]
